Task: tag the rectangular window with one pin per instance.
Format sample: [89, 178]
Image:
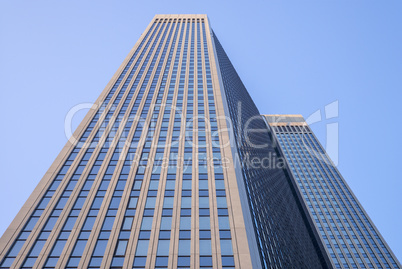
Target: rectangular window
[133, 202]
[121, 247]
[100, 248]
[142, 248]
[221, 202]
[128, 221]
[79, 248]
[168, 202]
[37, 248]
[204, 223]
[150, 203]
[185, 223]
[163, 248]
[224, 223]
[146, 223]
[184, 247]
[226, 247]
[186, 202]
[108, 223]
[205, 247]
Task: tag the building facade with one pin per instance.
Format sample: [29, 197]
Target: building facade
[163, 172]
[350, 238]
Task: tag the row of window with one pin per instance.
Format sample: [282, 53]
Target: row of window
[320, 185]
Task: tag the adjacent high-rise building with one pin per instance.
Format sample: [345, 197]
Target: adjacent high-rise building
[348, 235]
[174, 167]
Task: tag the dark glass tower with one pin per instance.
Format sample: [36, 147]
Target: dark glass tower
[167, 171]
[349, 236]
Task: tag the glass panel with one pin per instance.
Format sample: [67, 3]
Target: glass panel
[128, 221]
[205, 247]
[58, 248]
[100, 248]
[142, 248]
[185, 223]
[146, 223]
[163, 248]
[226, 247]
[121, 247]
[205, 223]
[184, 247]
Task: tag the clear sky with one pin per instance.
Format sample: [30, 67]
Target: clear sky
[294, 57]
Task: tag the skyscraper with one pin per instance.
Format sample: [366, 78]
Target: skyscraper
[167, 171]
[349, 236]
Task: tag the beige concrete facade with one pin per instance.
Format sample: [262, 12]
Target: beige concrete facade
[241, 250]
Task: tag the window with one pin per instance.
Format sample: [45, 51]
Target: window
[203, 184]
[206, 261]
[225, 234]
[168, 202]
[205, 247]
[204, 202]
[58, 248]
[62, 202]
[145, 234]
[97, 202]
[121, 247]
[183, 261]
[226, 247]
[95, 261]
[221, 202]
[43, 203]
[186, 234]
[153, 185]
[142, 248]
[185, 212]
[166, 212]
[29, 262]
[186, 202]
[108, 223]
[79, 248]
[204, 223]
[161, 261]
[224, 223]
[128, 221]
[223, 212]
[163, 248]
[187, 184]
[115, 202]
[166, 223]
[228, 261]
[184, 247]
[150, 203]
[205, 234]
[37, 248]
[164, 235]
[148, 212]
[146, 223]
[137, 185]
[73, 262]
[204, 211]
[31, 224]
[100, 248]
[170, 184]
[133, 202]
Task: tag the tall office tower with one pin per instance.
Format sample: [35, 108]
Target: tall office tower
[163, 172]
[349, 236]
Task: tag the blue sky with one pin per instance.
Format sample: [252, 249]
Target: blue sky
[294, 57]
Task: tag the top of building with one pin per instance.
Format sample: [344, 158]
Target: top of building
[285, 119]
[181, 16]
